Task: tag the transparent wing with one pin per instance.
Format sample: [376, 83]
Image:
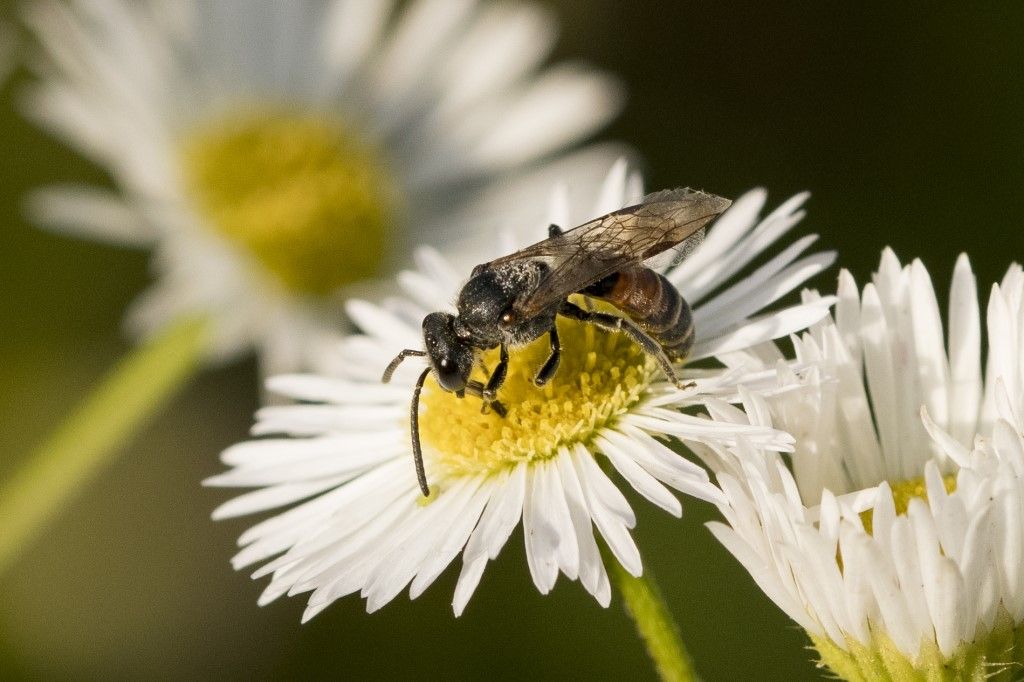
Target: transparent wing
[669, 259]
[671, 219]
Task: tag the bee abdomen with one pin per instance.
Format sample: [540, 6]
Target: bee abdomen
[653, 303]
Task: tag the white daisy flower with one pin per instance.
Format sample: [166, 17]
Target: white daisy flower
[361, 525]
[896, 537]
[271, 153]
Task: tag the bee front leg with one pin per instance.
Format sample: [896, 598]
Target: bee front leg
[550, 366]
[614, 323]
[475, 388]
[497, 377]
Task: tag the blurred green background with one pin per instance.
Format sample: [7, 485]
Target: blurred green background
[906, 120]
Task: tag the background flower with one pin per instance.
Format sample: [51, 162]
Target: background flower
[272, 153]
[895, 539]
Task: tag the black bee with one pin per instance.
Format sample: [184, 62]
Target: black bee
[513, 300]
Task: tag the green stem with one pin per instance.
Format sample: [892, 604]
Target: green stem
[131, 392]
[654, 622]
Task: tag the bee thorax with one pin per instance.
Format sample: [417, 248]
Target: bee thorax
[487, 304]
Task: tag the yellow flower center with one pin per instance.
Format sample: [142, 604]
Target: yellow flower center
[303, 195]
[601, 377]
[904, 491]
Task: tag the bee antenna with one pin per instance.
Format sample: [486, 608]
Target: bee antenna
[393, 365]
[414, 426]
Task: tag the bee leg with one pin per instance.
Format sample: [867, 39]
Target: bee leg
[615, 323]
[550, 365]
[497, 377]
[475, 388]
[554, 230]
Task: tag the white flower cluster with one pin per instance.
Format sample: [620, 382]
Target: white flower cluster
[899, 526]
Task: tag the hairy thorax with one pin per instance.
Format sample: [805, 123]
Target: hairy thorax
[487, 304]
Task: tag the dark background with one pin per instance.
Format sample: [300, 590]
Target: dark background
[905, 120]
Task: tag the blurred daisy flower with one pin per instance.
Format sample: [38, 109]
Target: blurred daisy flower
[272, 153]
[896, 538]
[361, 525]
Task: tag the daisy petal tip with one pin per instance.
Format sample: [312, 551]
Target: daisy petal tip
[363, 313]
[373, 605]
[758, 195]
[220, 513]
[425, 252]
[266, 597]
[285, 384]
[310, 613]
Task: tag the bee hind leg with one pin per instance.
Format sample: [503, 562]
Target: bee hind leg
[615, 323]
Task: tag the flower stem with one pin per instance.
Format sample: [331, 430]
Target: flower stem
[654, 622]
[91, 436]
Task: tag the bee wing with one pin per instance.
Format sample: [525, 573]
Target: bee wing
[669, 260]
[670, 219]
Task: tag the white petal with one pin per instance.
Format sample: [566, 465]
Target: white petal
[763, 575]
[501, 516]
[964, 352]
[469, 578]
[932, 366]
[273, 496]
[540, 536]
[424, 28]
[614, 529]
[351, 29]
[422, 544]
[560, 107]
[643, 482]
[766, 328]
[503, 44]
[314, 388]
[591, 569]
[90, 212]
[457, 535]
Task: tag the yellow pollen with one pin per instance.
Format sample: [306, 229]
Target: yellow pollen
[601, 376]
[298, 191]
[904, 491]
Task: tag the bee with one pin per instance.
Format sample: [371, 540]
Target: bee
[515, 299]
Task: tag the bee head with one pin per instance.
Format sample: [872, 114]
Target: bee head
[451, 357]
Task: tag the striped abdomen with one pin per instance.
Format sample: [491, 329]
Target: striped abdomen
[653, 303]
